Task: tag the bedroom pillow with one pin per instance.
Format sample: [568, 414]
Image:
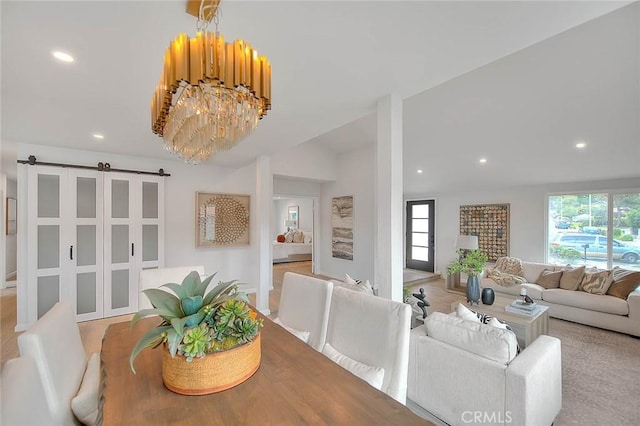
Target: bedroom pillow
[307, 238]
[298, 237]
[280, 238]
[288, 237]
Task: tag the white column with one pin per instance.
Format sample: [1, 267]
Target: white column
[264, 197]
[388, 249]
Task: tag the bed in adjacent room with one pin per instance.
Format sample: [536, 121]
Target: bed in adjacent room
[294, 246]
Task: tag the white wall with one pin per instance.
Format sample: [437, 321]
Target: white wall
[180, 193]
[305, 214]
[355, 176]
[309, 161]
[527, 215]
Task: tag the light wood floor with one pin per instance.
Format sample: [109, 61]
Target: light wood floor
[92, 332]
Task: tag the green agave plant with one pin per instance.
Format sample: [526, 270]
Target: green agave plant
[195, 322]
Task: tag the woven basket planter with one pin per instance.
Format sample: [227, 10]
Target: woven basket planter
[212, 373]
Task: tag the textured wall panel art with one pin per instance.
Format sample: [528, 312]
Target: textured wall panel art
[490, 222]
[342, 227]
[222, 220]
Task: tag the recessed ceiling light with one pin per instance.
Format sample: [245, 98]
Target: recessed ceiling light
[63, 57]
[419, 171]
[98, 136]
[580, 145]
[483, 160]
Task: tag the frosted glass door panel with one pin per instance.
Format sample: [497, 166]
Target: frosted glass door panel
[119, 243]
[149, 242]
[48, 195]
[420, 225]
[86, 245]
[149, 200]
[48, 293]
[86, 293]
[86, 197]
[119, 289]
[119, 199]
[48, 246]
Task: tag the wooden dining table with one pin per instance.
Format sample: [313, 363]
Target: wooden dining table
[294, 385]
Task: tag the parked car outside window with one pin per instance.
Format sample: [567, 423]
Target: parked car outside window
[596, 247]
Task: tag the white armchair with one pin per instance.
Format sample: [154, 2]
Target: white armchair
[154, 278]
[304, 308]
[23, 399]
[70, 383]
[464, 371]
[369, 336]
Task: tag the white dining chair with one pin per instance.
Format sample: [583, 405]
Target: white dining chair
[23, 401]
[304, 308]
[154, 278]
[369, 336]
[70, 382]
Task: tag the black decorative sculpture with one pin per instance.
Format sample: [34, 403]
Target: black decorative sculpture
[422, 302]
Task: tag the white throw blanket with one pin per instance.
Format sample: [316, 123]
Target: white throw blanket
[507, 272]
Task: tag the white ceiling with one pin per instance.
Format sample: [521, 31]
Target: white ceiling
[331, 62]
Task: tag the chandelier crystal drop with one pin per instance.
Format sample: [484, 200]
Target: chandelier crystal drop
[211, 95]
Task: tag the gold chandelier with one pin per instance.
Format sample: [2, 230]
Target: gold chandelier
[211, 94]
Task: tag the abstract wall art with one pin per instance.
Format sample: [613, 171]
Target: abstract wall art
[490, 223]
[342, 227]
[222, 220]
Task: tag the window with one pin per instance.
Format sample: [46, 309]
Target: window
[579, 225]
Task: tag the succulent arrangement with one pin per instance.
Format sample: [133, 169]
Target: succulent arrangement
[196, 322]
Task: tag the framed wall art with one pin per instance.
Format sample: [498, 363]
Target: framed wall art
[490, 223]
[342, 227]
[292, 217]
[222, 220]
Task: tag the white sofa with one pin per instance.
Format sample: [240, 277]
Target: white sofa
[466, 372]
[604, 311]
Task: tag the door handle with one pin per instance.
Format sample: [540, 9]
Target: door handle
[132, 249]
[71, 252]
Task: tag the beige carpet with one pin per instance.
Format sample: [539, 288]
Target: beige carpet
[600, 375]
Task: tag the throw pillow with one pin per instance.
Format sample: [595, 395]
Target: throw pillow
[466, 313]
[280, 238]
[288, 237]
[370, 374]
[298, 237]
[597, 282]
[571, 278]
[358, 285]
[494, 322]
[549, 279]
[624, 282]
